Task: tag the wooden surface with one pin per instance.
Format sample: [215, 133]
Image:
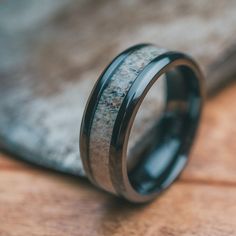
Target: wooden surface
[35, 201]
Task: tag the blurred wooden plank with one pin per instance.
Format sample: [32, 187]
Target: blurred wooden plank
[7, 163]
[35, 201]
[39, 203]
[213, 156]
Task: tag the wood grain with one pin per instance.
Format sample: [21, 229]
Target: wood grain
[36, 201]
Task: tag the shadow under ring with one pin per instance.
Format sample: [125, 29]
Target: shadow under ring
[110, 113]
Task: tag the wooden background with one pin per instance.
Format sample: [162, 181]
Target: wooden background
[36, 201]
[63, 39]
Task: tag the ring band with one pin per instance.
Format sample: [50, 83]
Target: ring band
[111, 110]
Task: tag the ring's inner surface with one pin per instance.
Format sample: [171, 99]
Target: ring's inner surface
[159, 151]
[148, 115]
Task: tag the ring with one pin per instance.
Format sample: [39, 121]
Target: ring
[111, 111]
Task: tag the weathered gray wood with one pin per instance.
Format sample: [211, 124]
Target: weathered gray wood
[51, 53]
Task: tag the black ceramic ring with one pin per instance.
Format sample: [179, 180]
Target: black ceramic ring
[110, 113]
